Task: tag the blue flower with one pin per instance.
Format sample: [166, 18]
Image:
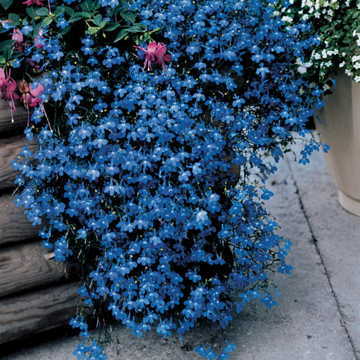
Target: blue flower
[150, 180]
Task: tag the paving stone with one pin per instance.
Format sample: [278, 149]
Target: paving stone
[338, 238]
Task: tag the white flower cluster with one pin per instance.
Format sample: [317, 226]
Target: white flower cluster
[319, 8]
[339, 49]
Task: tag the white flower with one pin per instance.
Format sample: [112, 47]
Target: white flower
[202, 217]
[287, 19]
[302, 69]
[330, 13]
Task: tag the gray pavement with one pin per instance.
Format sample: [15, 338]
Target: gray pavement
[318, 317]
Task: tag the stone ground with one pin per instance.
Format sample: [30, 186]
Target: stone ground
[318, 317]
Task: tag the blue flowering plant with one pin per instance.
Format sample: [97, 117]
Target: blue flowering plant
[38, 35]
[157, 126]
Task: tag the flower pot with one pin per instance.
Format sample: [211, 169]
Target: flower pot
[339, 127]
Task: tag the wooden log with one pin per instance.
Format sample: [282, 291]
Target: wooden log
[25, 266]
[20, 118]
[9, 150]
[14, 226]
[35, 312]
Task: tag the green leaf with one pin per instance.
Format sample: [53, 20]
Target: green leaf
[6, 48]
[43, 11]
[31, 12]
[15, 19]
[97, 20]
[85, 14]
[124, 33]
[93, 30]
[75, 17]
[90, 5]
[128, 16]
[6, 44]
[103, 24]
[137, 28]
[69, 11]
[6, 3]
[112, 27]
[121, 35]
[60, 10]
[48, 20]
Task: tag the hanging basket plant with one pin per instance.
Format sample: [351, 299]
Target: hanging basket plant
[141, 111]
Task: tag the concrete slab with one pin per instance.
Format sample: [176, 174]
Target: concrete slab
[305, 326]
[337, 234]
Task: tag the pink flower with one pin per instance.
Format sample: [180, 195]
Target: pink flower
[3, 78]
[9, 92]
[8, 89]
[7, 86]
[35, 94]
[30, 96]
[33, 2]
[17, 36]
[155, 53]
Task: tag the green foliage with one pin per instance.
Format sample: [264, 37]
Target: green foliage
[6, 3]
[87, 16]
[6, 51]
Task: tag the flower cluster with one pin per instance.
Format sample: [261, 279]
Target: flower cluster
[337, 23]
[11, 91]
[155, 53]
[151, 176]
[8, 89]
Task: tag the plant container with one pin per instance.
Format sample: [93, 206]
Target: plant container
[339, 127]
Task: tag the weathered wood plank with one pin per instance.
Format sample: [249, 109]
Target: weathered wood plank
[28, 314]
[25, 266]
[9, 150]
[14, 226]
[6, 124]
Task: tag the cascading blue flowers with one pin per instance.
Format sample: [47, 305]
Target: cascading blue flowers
[157, 177]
